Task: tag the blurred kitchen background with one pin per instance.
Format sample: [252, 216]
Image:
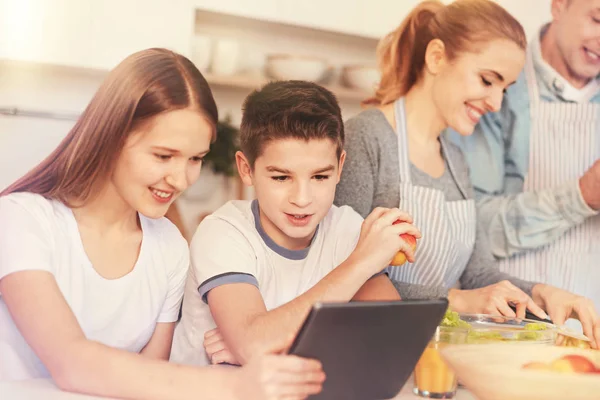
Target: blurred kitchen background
[55, 53]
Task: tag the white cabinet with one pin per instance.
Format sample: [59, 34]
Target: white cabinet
[47, 31]
[372, 18]
[332, 15]
[122, 27]
[100, 33]
[91, 33]
[259, 9]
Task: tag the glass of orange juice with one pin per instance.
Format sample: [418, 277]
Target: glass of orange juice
[433, 377]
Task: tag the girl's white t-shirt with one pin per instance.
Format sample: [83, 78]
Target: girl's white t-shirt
[41, 234]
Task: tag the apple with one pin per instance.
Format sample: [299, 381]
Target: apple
[574, 363]
[400, 257]
[568, 364]
[563, 366]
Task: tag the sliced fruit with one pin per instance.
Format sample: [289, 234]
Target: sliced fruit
[579, 363]
[537, 366]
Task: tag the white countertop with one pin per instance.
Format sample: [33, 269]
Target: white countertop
[38, 389]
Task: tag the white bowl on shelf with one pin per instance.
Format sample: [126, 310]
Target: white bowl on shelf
[225, 57]
[362, 77]
[291, 67]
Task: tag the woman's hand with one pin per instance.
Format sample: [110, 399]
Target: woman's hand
[562, 305]
[494, 300]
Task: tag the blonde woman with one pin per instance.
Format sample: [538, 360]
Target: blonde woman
[445, 66]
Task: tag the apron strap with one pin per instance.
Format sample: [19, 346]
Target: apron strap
[451, 167]
[403, 156]
[402, 135]
[532, 85]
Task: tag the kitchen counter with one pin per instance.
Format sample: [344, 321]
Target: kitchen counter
[44, 389]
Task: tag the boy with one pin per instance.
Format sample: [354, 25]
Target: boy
[259, 266]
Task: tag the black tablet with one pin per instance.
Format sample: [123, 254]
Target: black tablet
[368, 349]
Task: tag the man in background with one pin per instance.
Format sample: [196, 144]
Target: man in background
[535, 163]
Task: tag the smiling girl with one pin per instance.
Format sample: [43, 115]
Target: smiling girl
[92, 274]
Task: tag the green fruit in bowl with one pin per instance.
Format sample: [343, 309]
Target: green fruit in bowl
[452, 320]
[480, 333]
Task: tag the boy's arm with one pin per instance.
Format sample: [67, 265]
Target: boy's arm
[249, 329]
[378, 288]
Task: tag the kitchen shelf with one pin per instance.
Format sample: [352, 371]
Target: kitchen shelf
[248, 82]
[244, 82]
[258, 38]
[76, 71]
[249, 24]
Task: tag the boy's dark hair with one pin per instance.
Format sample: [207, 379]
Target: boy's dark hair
[289, 109]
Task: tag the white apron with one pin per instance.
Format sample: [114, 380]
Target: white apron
[448, 227]
[564, 143]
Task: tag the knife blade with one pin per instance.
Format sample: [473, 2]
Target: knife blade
[563, 330]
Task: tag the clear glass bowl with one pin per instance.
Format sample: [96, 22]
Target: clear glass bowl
[495, 329]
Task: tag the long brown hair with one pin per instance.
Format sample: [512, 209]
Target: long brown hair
[460, 25]
[145, 84]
